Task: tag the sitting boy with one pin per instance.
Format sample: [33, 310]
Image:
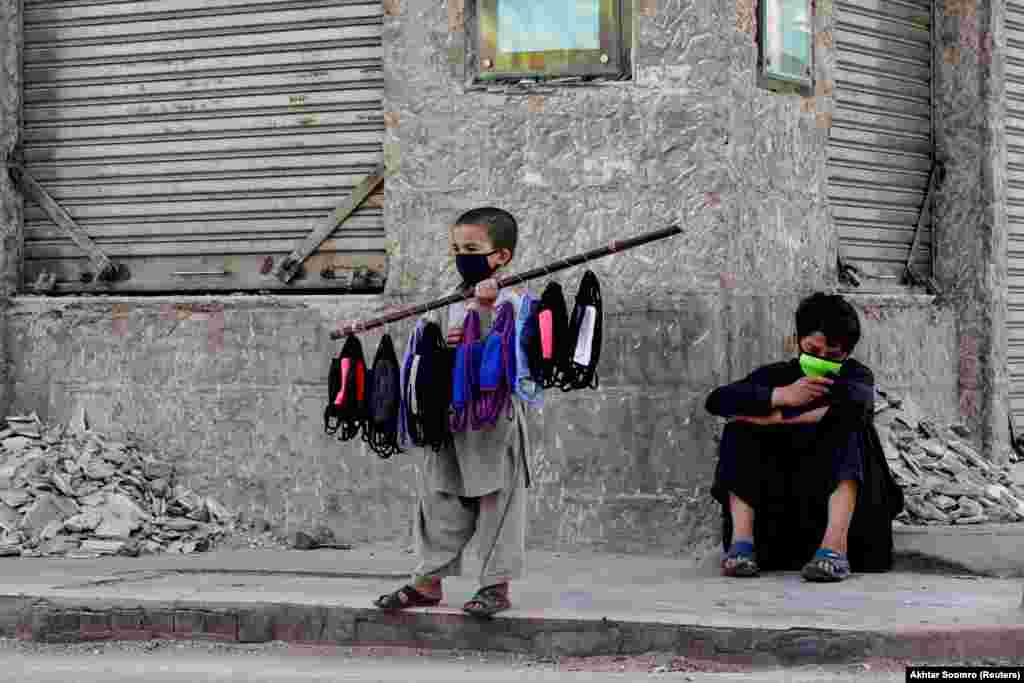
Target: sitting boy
[800, 467]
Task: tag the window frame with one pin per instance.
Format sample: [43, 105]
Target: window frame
[616, 35]
[776, 82]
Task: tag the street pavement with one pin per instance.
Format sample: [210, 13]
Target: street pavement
[186, 663]
[583, 604]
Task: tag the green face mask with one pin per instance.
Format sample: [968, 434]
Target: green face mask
[818, 367]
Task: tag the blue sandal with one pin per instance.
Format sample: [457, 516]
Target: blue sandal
[826, 565]
[740, 561]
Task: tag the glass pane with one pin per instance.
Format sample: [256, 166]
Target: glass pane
[787, 48]
[545, 25]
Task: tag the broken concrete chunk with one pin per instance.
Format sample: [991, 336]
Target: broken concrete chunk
[9, 517]
[303, 541]
[67, 506]
[61, 545]
[51, 530]
[960, 430]
[951, 464]
[155, 469]
[102, 547]
[967, 507]
[15, 497]
[977, 519]
[8, 474]
[86, 521]
[98, 469]
[922, 509]
[61, 483]
[16, 444]
[943, 503]
[151, 547]
[218, 512]
[41, 512]
[76, 486]
[115, 528]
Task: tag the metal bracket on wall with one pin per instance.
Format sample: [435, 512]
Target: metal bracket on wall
[849, 274]
[288, 268]
[910, 275]
[107, 270]
[1018, 447]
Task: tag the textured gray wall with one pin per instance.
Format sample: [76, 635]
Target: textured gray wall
[970, 211]
[10, 201]
[235, 385]
[690, 140]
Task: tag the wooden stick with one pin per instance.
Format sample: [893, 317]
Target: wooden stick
[511, 280]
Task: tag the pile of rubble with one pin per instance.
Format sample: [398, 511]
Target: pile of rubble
[68, 491]
[944, 480]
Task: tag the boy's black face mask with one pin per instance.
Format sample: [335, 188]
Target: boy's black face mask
[474, 268]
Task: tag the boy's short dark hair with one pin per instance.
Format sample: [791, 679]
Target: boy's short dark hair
[833, 316]
[501, 226]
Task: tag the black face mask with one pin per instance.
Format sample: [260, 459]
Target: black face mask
[474, 268]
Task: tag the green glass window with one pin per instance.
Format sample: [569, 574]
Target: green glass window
[555, 38]
[786, 41]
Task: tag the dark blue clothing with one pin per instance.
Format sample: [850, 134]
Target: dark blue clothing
[788, 472]
[852, 392]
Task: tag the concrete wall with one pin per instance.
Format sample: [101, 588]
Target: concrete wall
[971, 211]
[10, 201]
[235, 386]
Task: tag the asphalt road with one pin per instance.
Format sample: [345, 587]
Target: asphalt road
[191, 663]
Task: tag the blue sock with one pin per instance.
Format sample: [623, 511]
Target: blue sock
[744, 547]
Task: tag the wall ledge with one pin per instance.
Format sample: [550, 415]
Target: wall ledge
[893, 300]
[297, 300]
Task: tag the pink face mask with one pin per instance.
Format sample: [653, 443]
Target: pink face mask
[547, 334]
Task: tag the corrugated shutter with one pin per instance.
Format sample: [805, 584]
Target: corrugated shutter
[192, 136]
[1015, 206]
[880, 143]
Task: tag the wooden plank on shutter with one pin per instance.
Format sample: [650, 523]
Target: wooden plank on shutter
[287, 269]
[105, 268]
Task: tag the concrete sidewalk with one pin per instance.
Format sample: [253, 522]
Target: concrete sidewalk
[586, 604]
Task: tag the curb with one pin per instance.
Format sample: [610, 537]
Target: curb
[69, 621]
[981, 549]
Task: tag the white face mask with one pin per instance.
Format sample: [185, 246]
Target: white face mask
[585, 340]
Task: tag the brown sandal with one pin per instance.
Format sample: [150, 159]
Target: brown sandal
[487, 602]
[413, 598]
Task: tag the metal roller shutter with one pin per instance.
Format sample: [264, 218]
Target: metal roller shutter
[880, 144]
[192, 139]
[1015, 206]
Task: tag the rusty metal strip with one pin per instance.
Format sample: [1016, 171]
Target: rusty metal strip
[289, 267]
[925, 209]
[105, 268]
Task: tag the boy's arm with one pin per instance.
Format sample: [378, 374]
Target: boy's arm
[851, 393]
[749, 396]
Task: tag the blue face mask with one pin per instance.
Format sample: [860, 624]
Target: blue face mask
[473, 268]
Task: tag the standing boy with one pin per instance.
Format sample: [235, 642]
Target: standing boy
[800, 466]
[477, 487]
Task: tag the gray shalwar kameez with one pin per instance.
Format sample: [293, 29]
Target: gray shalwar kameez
[476, 487]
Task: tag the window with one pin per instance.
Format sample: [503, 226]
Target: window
[785, 45]
[553, 38]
